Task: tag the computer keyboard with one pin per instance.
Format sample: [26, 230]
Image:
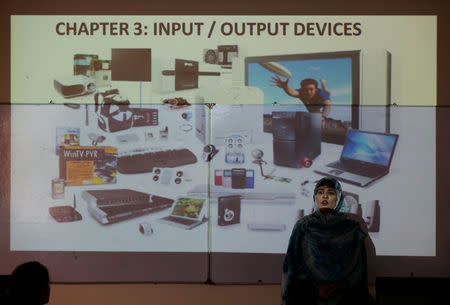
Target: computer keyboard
[143, 161]
[362, 169]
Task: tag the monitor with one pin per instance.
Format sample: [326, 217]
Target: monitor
[375, 148]
[131, 65]
[337, 78]
[188, 208]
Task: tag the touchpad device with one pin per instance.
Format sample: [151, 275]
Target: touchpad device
[336, 172]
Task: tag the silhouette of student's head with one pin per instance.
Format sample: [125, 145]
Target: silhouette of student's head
[30, 284]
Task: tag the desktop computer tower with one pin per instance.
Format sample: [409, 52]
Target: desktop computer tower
[296, 135]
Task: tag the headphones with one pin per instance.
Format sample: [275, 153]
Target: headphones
[209, 151]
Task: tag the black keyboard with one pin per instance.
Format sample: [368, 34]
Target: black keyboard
[144, 162]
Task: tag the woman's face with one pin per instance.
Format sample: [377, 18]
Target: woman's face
[326, 197]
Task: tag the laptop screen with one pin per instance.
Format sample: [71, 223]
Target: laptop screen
[188, 207]
[375, 148]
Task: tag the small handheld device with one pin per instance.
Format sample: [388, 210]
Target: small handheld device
[250, 179]
[226, 179]
[218, 174]
[238, 178]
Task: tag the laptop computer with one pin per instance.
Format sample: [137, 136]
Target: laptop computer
[186, 213]
[366, 157]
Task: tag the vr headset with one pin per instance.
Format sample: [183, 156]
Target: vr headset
[113, 111]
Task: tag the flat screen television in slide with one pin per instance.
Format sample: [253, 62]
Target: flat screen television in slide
[131, 65]
[336, 75]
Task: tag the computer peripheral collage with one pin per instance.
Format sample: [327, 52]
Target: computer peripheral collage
[171, 145]
[254, 151]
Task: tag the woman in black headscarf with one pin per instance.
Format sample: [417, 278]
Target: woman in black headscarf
[326, 260]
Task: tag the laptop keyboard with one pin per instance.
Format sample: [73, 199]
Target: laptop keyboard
[366, 170]
[180, 220]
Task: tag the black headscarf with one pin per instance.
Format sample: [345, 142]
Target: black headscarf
[325, 248]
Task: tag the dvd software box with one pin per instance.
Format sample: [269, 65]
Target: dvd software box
[85, 165]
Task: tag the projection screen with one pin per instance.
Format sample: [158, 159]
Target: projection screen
[159, 148]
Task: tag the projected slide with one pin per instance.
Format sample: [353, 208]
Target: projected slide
[156, 140]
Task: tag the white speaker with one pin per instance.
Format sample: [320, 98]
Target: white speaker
[375, 91]
[201, 122]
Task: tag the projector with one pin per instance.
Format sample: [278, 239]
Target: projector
[75, 85]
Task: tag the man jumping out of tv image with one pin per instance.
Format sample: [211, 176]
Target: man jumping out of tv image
[315, 99]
